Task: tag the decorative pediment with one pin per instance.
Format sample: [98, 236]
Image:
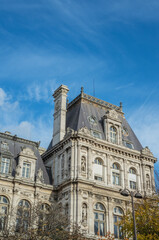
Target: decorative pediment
[112, 114]
[146, 151]
[28, 152]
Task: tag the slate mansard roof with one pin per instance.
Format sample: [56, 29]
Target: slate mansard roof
[16, 145]
[84, 106]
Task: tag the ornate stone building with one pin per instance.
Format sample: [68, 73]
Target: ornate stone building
[93, 154]
[24, 180]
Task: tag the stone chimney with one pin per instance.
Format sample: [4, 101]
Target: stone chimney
[59, 130]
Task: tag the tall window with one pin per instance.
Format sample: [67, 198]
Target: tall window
[118, 213]
[132, 178]
[4, 205]
[116, 174]
[26, 170]
[113, 135]
[99, 219]
[5, 163]
[98, 169]
[23, 216]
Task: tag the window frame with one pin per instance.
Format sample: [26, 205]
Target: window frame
[25, 172]
[116, 218]
[113, 134]
[99, 222]
[4, 215]
[21, 217]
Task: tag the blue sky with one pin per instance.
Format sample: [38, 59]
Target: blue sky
[46, 43]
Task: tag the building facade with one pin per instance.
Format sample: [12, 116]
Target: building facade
[24, 180]
[93, 154]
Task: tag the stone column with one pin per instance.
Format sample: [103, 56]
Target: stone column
[152, 179]
[108, 170]
[89, 163]
[125, 174]
[78, 159]
[143, 175]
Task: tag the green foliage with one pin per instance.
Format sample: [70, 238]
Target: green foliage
[147, 220]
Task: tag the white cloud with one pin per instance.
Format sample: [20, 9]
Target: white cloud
[3, 97]
[40, 91]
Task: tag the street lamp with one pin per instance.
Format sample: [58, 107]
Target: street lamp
[127, 193]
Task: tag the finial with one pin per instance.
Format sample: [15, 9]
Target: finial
[82, 88]
[121, 106]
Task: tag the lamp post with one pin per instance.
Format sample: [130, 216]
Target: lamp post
[127, 193]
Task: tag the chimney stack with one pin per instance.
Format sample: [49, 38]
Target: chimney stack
[59, 129]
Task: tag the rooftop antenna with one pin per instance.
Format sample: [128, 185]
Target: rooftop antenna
[93, 88]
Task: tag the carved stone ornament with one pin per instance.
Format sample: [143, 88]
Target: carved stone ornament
[28, 151]
[39, 177]
[83, 164]
[146, 151]
[18, 170]
[84, 213]
[112, 114]
[84, 130]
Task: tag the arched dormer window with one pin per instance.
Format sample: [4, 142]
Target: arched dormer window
[98, 169]
[118, 213]
[99, 219]
[23, 216]
[116, 176]
[4, 206]
[113, 134]
[132, 178]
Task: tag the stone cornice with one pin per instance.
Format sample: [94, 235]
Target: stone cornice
[18, 139]
[101, 145]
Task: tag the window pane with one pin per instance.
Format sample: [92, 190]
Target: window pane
[115, 231]
[95, 227]
[96, 215]
[101, 216]
[101, 229]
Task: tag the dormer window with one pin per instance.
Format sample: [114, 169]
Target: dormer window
[4, 146]
[92, 120]
[128, 145]
[26, 170]
[113, 134]
[5, 164]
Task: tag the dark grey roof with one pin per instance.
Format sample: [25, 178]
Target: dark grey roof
[78, 116]
[15, 147]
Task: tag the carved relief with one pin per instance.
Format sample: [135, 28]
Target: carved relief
[40, 177]
[83, 164]
[84, 213]
[146, 151]
[112, 114]
[18, 170]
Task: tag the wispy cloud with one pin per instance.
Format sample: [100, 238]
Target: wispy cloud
[124, 86]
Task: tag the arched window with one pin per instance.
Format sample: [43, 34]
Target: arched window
[99, 219]
[132, 178]
[98, 169]
[43, 213]
[4, 206]
[113, 134]
[23, 216]
[118, 213]
[147, 181]
[116, 178]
